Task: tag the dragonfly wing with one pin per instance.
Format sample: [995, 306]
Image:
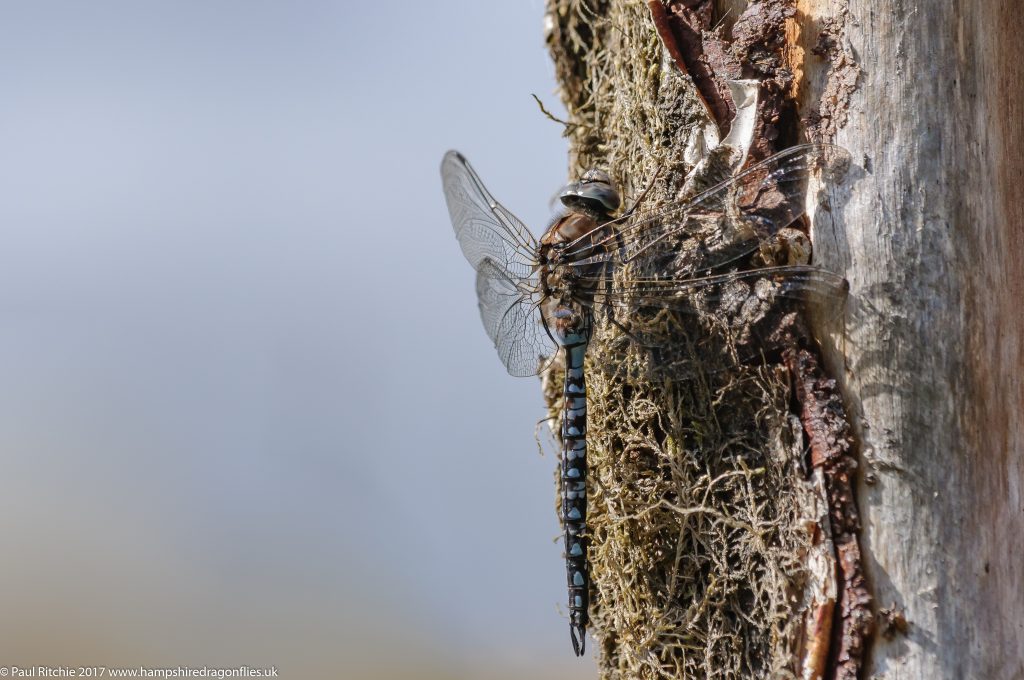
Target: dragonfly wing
[510, 311]
[486, 231]
[724, 223]
[720, 322]
[729, 293]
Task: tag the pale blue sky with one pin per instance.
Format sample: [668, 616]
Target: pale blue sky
[249, 414]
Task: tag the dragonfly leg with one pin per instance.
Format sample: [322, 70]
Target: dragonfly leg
[625, 331]
[640, 199]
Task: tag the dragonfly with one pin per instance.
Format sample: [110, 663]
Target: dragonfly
[593, 265]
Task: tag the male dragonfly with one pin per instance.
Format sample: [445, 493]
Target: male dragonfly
[537, 297]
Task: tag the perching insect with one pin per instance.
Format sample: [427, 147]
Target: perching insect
[537, 297]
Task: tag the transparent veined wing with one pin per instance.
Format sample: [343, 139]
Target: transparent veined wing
[801, 283]
[484, 228]
[721, 224]
[731, 319]
[510, 310]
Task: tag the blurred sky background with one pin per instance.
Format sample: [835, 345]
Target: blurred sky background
[249, 414]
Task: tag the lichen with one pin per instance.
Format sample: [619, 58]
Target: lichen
[699, 507]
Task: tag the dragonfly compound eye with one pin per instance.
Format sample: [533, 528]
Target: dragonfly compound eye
[594, 187]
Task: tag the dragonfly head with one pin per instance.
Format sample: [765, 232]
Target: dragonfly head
[594, 191]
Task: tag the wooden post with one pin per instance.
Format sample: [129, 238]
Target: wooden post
[928, 227]
[933, 363]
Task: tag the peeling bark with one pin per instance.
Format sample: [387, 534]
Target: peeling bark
[751, 51]
[682, 29]
[687, 578]
[828, 432]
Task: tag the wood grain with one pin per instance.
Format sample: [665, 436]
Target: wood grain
[931, 234]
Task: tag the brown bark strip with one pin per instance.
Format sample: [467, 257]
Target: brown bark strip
[752, 51]
[827, 429]
[817, 652]
[758, 38]
[682, 34]
[822, 593]
[668, 39]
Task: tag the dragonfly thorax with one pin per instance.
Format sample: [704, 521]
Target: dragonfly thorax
[570, 240]
[567, 229]
[568, 281]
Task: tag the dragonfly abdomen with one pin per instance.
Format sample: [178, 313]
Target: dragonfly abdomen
[574, 492]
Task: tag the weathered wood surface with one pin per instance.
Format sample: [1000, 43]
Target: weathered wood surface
[932, 240]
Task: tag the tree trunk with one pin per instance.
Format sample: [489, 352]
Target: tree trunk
[718, 549]
[934, 250]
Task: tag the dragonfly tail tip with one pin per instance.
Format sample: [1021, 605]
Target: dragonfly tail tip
[578, 633]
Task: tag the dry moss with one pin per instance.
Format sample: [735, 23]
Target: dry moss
[698, 505]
